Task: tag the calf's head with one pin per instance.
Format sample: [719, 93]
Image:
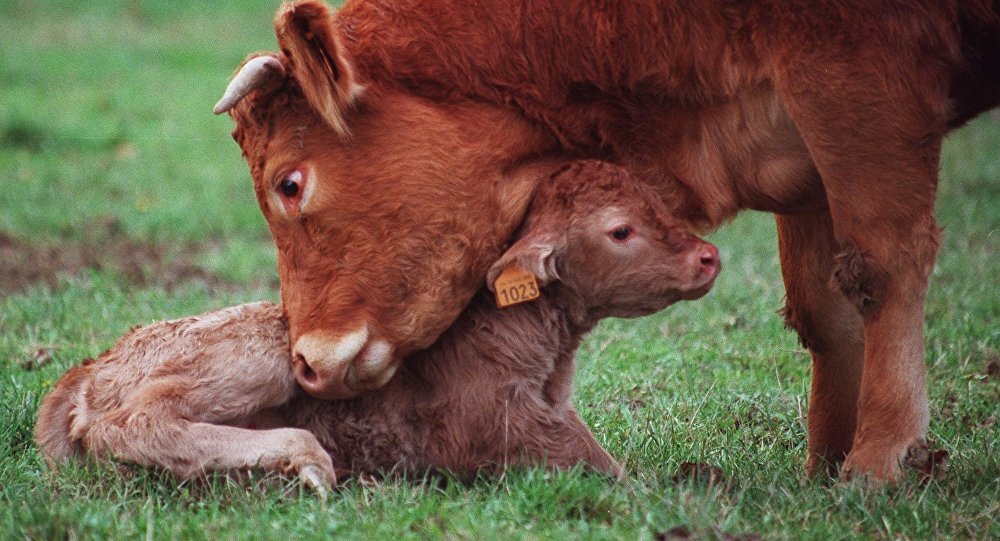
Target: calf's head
[386, 208]
[611, 242]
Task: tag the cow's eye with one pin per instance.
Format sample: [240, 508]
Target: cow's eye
[289, 187]
[621, 233]
[292, 184]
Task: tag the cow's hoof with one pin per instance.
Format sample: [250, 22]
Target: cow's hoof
[825, 465]
[878, 467]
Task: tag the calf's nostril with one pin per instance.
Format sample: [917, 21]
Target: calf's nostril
[710, 259]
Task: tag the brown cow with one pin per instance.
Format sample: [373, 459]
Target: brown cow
[393, 147]
[495, 390]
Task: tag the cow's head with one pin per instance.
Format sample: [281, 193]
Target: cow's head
[387, 209]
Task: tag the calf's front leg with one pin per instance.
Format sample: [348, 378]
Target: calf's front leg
[557, 438]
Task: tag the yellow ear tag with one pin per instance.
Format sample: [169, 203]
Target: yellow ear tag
[514, 286]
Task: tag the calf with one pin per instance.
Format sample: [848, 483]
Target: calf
[493, 391]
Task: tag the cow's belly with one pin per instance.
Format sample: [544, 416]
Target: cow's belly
[710, 163]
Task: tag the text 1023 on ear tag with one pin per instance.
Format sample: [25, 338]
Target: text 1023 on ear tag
[514, 286]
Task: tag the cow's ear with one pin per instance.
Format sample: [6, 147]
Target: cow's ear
[317, 60]
[537, 252]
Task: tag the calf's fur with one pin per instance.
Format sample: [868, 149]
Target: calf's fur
[216, 391]
[180, 394]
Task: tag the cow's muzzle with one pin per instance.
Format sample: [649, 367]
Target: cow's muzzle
[339, 367]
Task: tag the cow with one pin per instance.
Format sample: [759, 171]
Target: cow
[394, 146]
[216, 392]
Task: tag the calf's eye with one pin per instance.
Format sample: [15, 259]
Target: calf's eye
[621, 233]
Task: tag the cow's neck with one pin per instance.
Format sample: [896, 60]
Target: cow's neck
[530, 54]
[708, 133]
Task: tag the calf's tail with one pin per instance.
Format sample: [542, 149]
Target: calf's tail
[55, 418]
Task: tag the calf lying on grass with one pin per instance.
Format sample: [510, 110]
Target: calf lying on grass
[493, 391]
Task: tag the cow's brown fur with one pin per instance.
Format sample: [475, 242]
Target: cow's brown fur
[829, 114]
[192, 395]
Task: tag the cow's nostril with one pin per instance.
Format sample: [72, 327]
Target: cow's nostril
[321, 362]
[309, 374]
[305, 371]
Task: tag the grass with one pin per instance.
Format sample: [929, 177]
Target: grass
[105, 116]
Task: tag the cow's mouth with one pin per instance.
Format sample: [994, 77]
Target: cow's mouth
[699, 291]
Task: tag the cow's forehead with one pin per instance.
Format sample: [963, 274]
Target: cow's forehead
[273, 125]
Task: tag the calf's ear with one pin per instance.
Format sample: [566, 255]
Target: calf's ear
[306, 34]
[537, 252]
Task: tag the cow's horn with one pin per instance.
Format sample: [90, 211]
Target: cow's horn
[255, 73]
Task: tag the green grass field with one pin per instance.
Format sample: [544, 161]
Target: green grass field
[125, 201]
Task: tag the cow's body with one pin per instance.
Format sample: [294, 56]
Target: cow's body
[829, 114]
[695, 95]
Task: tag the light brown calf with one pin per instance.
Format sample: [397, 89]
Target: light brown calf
[493, 391]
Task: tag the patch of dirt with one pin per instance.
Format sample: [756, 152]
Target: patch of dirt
[677, 532]
[683, 532]
[104, 247]
[931, 464]
[992, 370]
[698, 472]
[41, 357]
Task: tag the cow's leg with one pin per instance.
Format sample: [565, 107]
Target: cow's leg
[881, 196]
[888, 239]
[830, 327]
[159, 431]
[871, 107]
[892, 406]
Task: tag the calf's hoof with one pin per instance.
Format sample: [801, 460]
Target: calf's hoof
[307, 460]
[318, 478]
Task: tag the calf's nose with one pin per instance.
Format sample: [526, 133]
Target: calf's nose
[709, 259]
